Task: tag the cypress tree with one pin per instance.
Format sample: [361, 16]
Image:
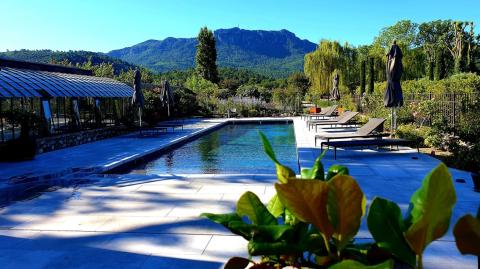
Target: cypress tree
[440, 66]
[431, 69]
[363, 76]
[371, 76]
[206, 56]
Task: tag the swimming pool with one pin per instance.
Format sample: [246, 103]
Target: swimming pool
[232, 149]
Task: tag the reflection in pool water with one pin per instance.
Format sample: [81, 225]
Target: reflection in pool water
[233, 149]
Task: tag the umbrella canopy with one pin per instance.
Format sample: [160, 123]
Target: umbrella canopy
[393, 93]
[138, 98]
[335, 94]
[166, 96]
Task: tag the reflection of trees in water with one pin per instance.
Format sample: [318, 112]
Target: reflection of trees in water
[208, 154]
[169, 161]
[282, 136]
[238, 138]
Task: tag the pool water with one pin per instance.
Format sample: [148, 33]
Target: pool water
[232, 149]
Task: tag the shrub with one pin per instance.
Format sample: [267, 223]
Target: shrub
[459, 83]
[414, 133]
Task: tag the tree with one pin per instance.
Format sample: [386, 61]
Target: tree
[329, 57]
[249, 90]
[206, 56]
[371, 75]
[472, 47]
[455, 44]
[429, 37]
[298, 85]
[363, 76]
[403, 31]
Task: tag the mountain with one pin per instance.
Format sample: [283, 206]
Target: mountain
[272, 53]
[73, 57]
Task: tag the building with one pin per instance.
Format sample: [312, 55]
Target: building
[43, 100]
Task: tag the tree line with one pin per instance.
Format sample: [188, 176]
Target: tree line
[432, 50]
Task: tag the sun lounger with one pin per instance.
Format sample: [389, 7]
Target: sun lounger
[372, 129]
[344, 119]
[379, 142]
[328, 112]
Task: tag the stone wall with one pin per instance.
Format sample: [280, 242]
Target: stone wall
[51, 143]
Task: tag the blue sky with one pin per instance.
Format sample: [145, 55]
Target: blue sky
[104, 25]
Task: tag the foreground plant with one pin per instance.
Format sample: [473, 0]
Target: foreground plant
[467, 235]
[313, 219]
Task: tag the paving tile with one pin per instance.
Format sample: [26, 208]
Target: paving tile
[227, 246]
[21, 259]
[181, 261]
[15, 239]
[65, 223]
[159, 244]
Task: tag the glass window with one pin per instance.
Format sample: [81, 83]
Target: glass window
[47, 114]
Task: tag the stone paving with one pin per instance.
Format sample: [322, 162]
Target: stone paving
[138, 221]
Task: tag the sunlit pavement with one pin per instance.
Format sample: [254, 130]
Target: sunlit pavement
[134, 221]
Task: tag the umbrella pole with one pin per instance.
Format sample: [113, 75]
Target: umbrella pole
[392, 122]
[140, 116]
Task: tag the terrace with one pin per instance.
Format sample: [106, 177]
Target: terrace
[89, 219]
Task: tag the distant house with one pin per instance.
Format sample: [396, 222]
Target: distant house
[57, 99]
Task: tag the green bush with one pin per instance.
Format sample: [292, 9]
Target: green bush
[414, 133]
[459, 83]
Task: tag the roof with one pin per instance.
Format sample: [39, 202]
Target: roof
[19, 82]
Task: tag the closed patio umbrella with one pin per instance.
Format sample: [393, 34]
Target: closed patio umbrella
[393, 94]
[335, 94]
[138, 98]
[166, 96]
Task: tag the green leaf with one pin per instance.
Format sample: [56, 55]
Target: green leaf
[467, 235]
[250, 205]
[336, 170]
[241, 228]
[307, 199]
[351, 264]
[345, 208]
[233, 222]
[290, 218]
[271, 233]
[385, 223]
[222, 219]
[317, 171]
[276, 248]
[283, 173]
[267, 147]
[314, 243]
[237, 263]
[275, 206]
[431, 209]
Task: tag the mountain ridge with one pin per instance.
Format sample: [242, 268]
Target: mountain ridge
[269, 52]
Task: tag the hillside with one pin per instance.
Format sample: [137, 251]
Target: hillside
[74, 57]
[272, 53]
